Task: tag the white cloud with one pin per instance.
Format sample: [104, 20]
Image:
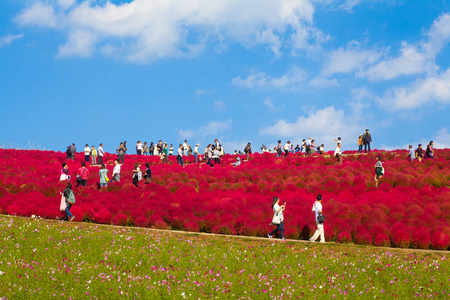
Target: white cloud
[9, 39]
[323, 125]
[153, 29]
[350, 59]
[349, 4]
[220, 106]
[211, 129]
[442, 139]
[269, 104]
[80, 43]
[292, 80]
[420, 92]
[320, 81]
[39, 14]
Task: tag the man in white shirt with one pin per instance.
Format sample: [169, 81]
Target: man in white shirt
[100, 154]
[317, 208]
[287, 147]
[338, 153]
[116, 171]
[180, 155]
[185, 147]
[196, 153]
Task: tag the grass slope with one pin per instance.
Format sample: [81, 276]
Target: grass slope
[48, 259]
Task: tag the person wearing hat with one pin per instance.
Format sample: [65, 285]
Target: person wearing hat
[367, 139]
[237, 163]
[196, 152]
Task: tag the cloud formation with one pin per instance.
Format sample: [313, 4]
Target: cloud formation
[9, 39]
[292, 80]
[144, 30]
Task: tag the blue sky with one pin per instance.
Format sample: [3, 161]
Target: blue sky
[240, 71]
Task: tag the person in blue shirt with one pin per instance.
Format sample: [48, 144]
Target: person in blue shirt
[411, 153]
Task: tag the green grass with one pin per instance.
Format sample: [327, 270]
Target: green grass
[42, 259]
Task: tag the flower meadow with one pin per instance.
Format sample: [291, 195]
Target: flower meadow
[41, 259]
[410, 209]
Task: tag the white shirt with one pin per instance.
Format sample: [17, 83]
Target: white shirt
[280, 213]
[116, 169]
[180, 152]
[87, 151]
[185, 146]
[196, 150]
[317, 208]
[100, 151]
[337, 151]
[139, 146]
[287, 147]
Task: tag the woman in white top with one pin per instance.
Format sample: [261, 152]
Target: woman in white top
[379, 171]
[317, 209]
[139, 147]
[278, 212]
[287, 147]
[87, 153]
[137, 174]
[216, 156]
[338, 153]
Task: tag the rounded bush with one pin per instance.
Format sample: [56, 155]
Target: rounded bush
[440, 240]
[381, 240]
[344, 237]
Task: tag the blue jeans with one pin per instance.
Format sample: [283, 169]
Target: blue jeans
[180, 160]
[360, 148]
[103, 185]
[196, 158]
[68, 214]
[280, 227]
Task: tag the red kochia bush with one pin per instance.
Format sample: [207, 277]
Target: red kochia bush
[120, 219]
[363, 238]
[103, 216]
[381, 240]
[421, 238]
[344, 237]
[440, 240]
[400, 237]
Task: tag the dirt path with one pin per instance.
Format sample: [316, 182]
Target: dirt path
[253, 238]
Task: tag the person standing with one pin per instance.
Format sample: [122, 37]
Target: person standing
[367, 139]
[360, 143]
[180, 155]
[279, 149]
[312, 147]
[338, 153]
[185, 148]
[121, 153]
[64, 172]
[308, 145]
[171, 150]
[70, 200]
[379, 171]
[82, 175]
[317, 208]
[137, 174]
[278, 213]
[71, 151]
[87, 153]
[93, 156]
[411, 154]
[419, 152]
[248, 150]
[145, 149]
[139, 147]
[100, 154]
[216, 156]
[429, 152]
[148, 174]
[321, 151]
[151, 149]
[165, 154]
[103, 173]
[116, 171]
[196, 154]
[287, 147]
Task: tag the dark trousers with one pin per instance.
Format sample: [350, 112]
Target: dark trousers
[165, 158]
[180, 160]
[135, 181]
[280, 227]
[139, 152]
[120, 158]
[286, 152]
[86, 158]
[360, 148]
[366, 146]
[100, 160]
[83, 183]
[217, 161]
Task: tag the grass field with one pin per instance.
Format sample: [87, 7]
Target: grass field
[50, 259]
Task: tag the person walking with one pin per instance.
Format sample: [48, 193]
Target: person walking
[151, 149]
[103, 173]
[116, 171]
[278, 214]
[87, 153]
[286, 148]
[93, 156]
[379, 171]
[100, 154]
[196, 154]
[82, 175]
[145, 149]
[121, 153]
[71, 151]
[137, 174]
[64, 172]
[411, 153]
[419, 152]
[429, 152]
[70, 200]
[148, 174]
[338, 153]
[180, 155]
[317, 209]
[279, 149]
[360, 143]
[139, 147]
[367, 139]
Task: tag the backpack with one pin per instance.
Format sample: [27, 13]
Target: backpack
[68, 152]
[71, 199]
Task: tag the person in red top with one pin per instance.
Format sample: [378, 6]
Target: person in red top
[82, 175]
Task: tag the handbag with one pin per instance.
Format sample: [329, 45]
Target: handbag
[63, 205]
[276, 219]
[320, 218]
[80, 178]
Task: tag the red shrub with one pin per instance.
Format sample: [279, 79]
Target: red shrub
[381, 240]
[440, 240]
[103, 216]
[344, 237]
[400, 238]
[421, 238]
[120, 219]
